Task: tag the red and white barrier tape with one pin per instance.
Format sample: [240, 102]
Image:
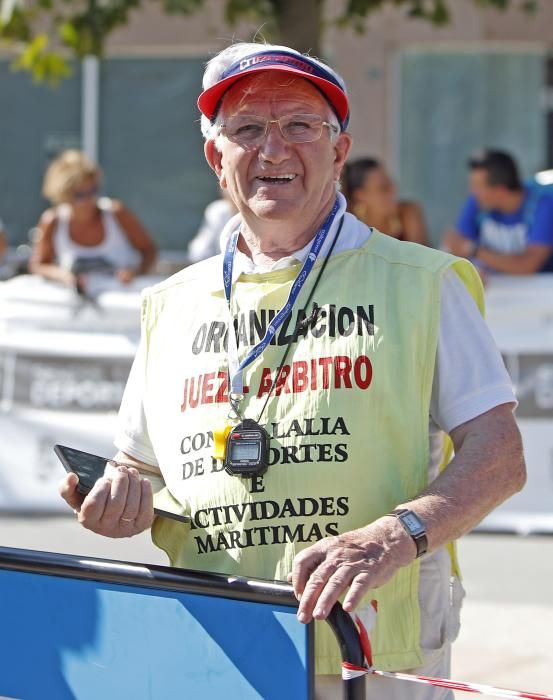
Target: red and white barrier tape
[351, 671]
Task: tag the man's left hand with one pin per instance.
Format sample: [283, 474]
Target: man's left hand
[358, 560]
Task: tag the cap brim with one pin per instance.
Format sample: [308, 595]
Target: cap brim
[209, 100]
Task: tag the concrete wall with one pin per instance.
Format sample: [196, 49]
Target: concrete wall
[367, 61]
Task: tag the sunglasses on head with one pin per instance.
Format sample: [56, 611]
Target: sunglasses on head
[81, 195]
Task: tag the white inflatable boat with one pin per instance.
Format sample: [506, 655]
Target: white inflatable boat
[64, 361]
[520, 316]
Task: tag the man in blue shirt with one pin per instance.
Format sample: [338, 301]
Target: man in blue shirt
[504, 226]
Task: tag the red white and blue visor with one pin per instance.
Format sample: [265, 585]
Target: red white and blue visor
[210, 99]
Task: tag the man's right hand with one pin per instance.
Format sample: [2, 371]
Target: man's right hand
[119, 505]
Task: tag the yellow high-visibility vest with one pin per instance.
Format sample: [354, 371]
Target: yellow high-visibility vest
[348, 417]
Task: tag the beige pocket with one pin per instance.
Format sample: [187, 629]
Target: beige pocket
[457, 595]
[435, 600]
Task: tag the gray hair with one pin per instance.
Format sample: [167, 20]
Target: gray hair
[225, 58]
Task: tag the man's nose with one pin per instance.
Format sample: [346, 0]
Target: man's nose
[274, 146]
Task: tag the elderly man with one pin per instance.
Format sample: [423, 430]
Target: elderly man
[306, 443]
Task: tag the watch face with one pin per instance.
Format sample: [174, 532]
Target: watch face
[413, 523]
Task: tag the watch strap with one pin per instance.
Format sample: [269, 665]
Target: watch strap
[420, 539]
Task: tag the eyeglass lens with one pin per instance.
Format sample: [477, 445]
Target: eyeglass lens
[297, 128]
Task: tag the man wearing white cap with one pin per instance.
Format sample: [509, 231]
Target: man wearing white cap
[307, 443]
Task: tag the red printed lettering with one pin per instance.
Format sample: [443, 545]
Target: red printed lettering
[363, 372]
[207, 387]
[342, 371]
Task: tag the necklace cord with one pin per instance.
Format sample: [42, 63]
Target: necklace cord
[294, 335]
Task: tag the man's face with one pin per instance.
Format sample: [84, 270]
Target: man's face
[278, 180]
[487, 196]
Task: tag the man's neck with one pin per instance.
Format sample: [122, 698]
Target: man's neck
[512, 201]
[272, 241]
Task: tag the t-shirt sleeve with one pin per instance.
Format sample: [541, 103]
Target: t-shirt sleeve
[467, 221]
[541, 228]
[469, 377]
[132, 429]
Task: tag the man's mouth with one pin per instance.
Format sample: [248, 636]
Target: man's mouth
[276, 179]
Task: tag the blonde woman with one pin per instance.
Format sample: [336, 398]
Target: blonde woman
[83, 233]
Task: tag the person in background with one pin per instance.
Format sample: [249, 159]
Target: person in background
[206, 242]
[372, 196]
[503, 226]
[83, 233]
[3, 241]
[6, 270]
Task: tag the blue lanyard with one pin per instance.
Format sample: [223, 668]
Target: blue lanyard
[235, 368]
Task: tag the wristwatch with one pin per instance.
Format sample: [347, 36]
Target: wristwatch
[414, 526]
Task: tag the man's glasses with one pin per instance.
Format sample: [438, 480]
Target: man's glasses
[81, 195]
[250, 130]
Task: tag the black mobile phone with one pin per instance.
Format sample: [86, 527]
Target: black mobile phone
[89, 468]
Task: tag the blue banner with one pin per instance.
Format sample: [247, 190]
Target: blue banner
[67, 638]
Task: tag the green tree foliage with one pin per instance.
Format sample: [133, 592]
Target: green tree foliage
[48, 33]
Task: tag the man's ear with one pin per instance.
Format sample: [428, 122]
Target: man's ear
[342, 147]
[214, 159]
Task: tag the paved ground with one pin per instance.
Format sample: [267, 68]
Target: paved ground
[507, 632]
